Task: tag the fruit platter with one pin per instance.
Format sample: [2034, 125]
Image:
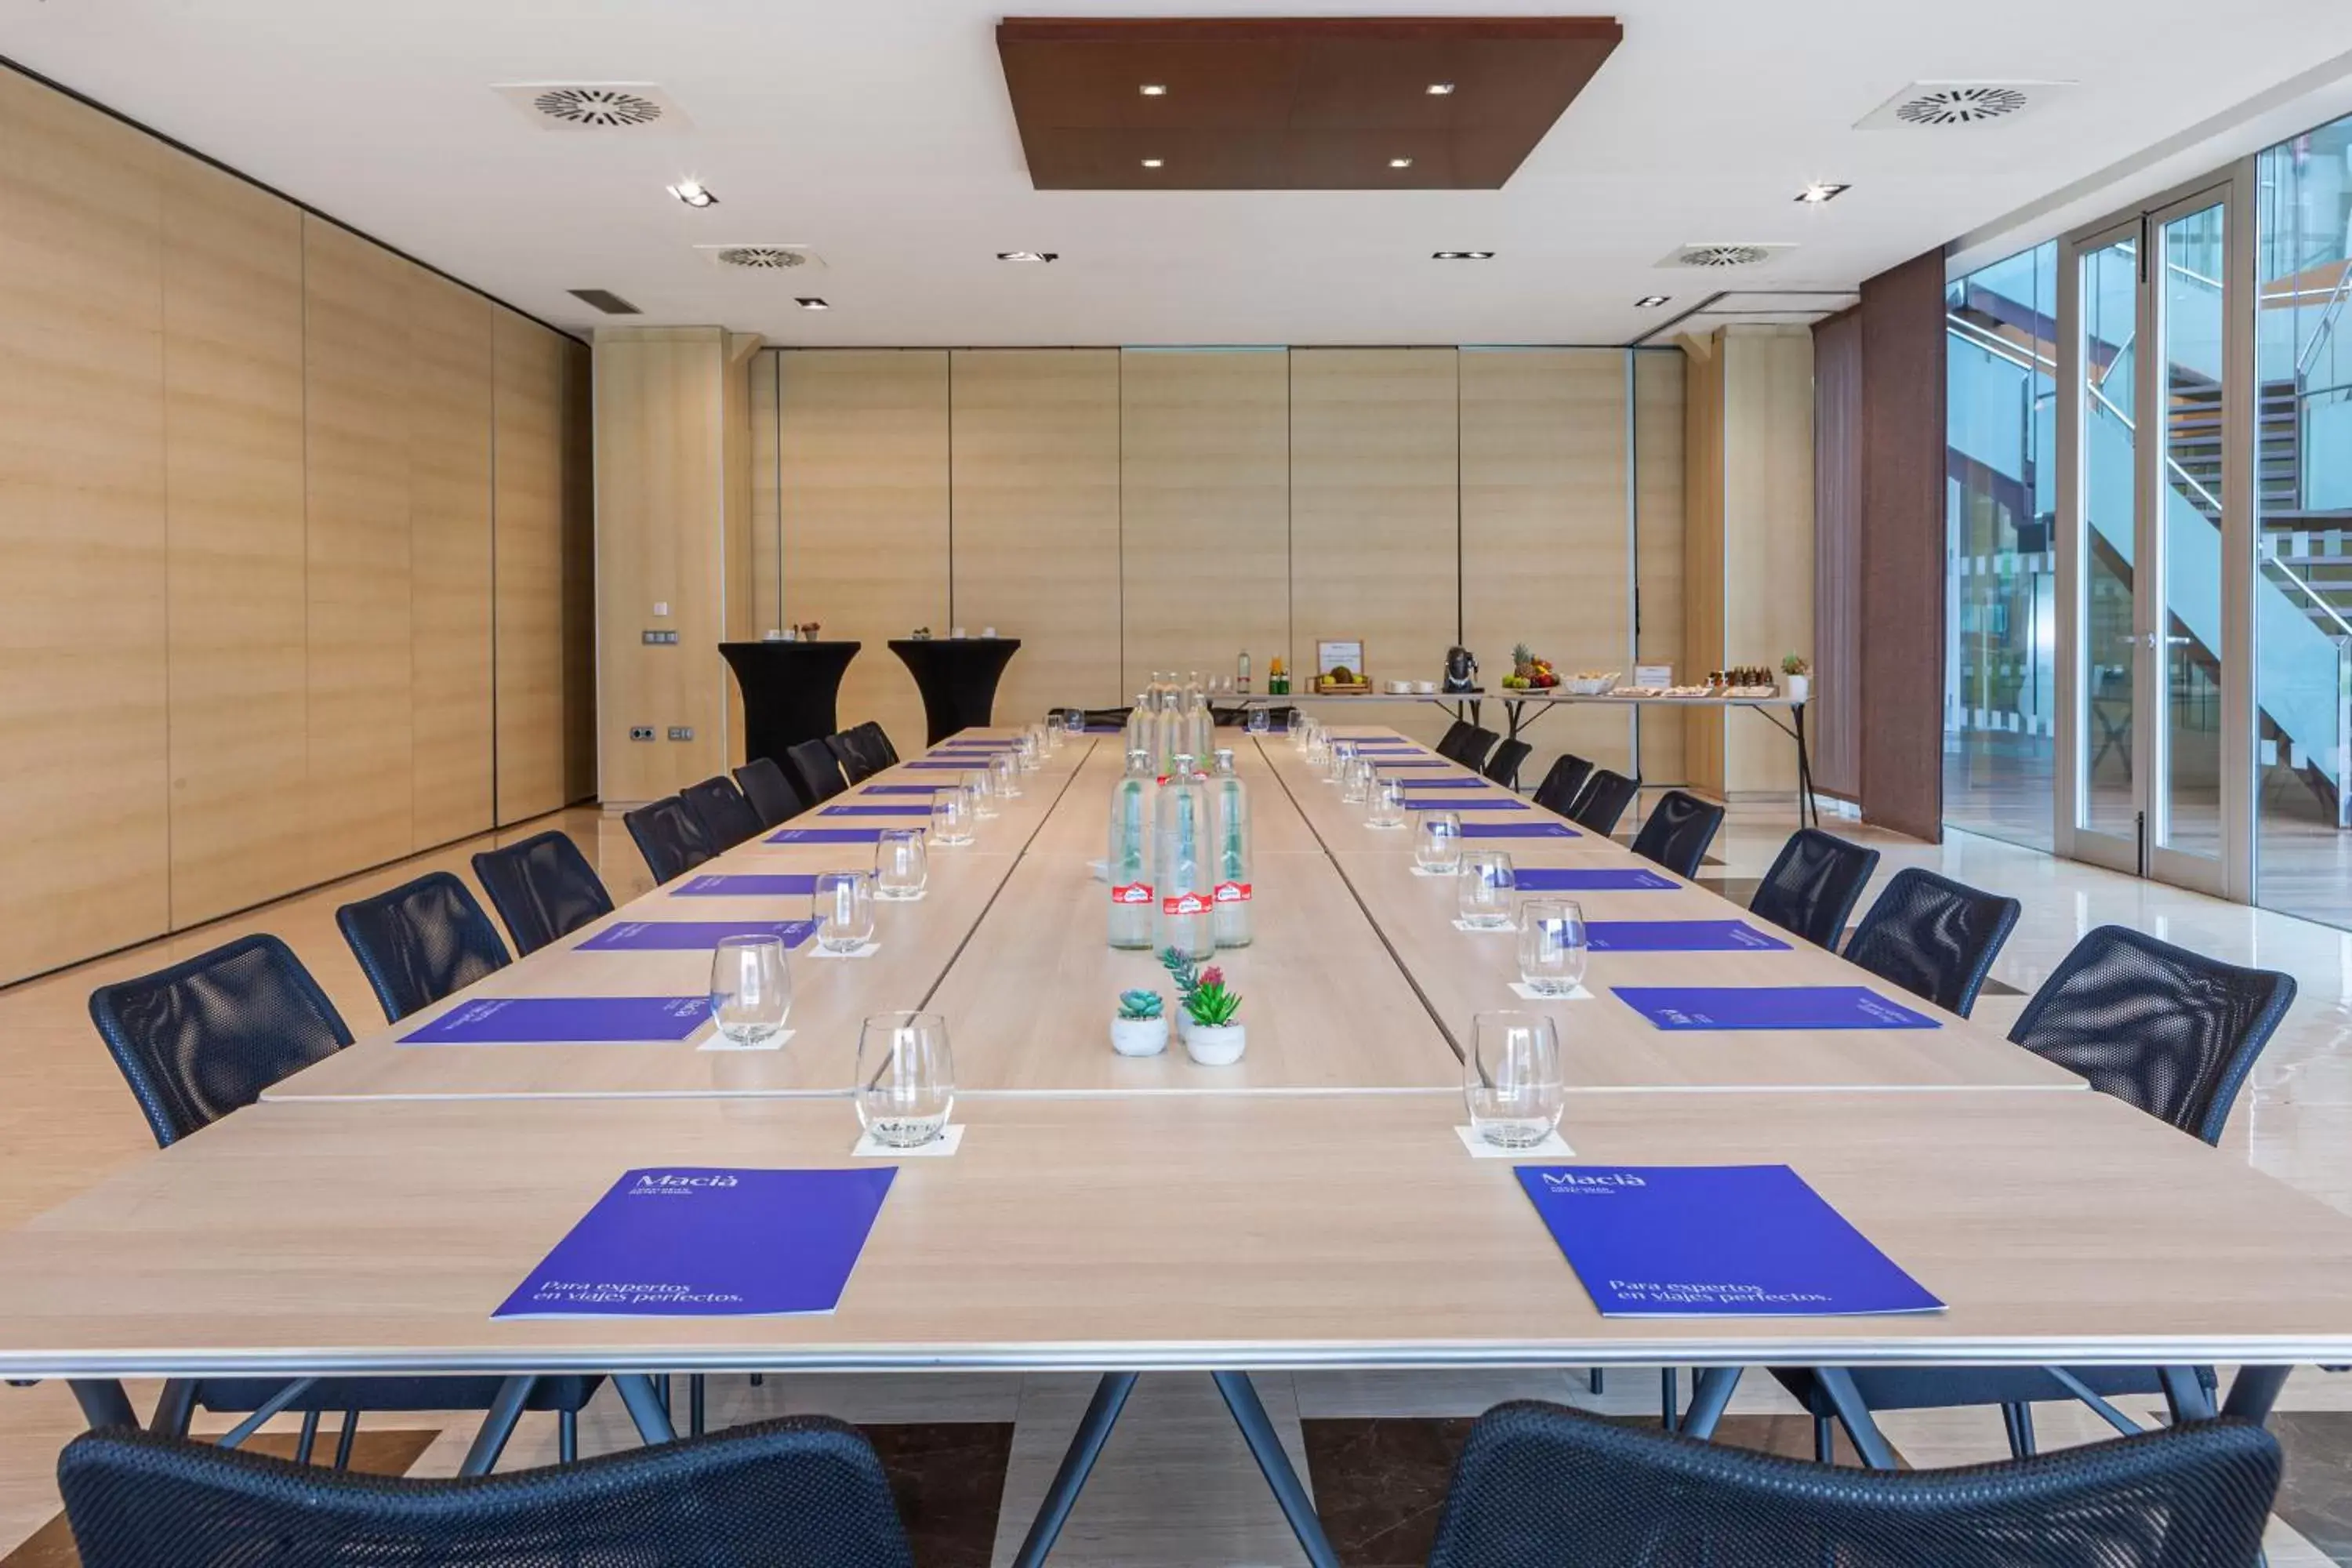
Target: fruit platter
[1530, 673]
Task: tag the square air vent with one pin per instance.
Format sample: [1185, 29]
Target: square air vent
[1717, 255]
[594, 105]
[1959, 105]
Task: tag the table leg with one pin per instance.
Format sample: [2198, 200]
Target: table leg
[1711, 1390]
[2254, 1391]
[1266, 1447]
[103, 1402]
[2185, 1393]
[1854, 1416]
[646, 1408]
[1077, 1463]
[1805, 803]
[497, 1426]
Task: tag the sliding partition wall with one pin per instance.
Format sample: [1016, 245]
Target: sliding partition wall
[1128, 510]
[2150, 484]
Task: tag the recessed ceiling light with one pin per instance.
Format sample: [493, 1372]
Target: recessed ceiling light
[693, 194]
[811, 304]
[1153, 162]
[1399, 163]
[1651, 301]
[1153, 89]
[1439, 89]
[1028, 255]
[1817, 193]
[1461, 255]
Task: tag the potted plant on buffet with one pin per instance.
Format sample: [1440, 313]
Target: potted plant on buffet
[1796, 677]
[1139, 1028]
[1214, 1040]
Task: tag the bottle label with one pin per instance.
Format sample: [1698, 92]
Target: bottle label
[1184, 904]
[1233, 892]
[1131, 893]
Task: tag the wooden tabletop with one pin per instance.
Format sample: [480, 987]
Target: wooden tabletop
[1164, 1232]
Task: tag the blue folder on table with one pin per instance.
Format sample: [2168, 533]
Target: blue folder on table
[747, 885]
[546, 1020]
[685, 936]
[1468, 803]
[1714, 1241]
[1451, 784]
[697, 1241]
[909, 808]
[969, 765]
[1769, 1008]
[1677, 936]
[905, 789]
[1516, 829]
[1595, 879]
[1414, 762]
[824, 835]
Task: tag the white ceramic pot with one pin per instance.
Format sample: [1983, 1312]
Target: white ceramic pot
[1139, 1037]
[1218, 1047]
[1796, 688]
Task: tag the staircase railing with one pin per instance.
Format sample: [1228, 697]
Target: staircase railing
[2328, 313]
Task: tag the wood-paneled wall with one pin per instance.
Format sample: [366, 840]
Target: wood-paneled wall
[1127, 512]
[1835, 712]
[248, 489]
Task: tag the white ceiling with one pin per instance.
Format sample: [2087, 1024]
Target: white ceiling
[877, 130]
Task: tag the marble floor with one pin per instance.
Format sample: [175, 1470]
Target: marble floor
[971, 1455]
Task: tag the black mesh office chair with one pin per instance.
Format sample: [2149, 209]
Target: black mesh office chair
[1679, 829]
[1934, 937]
[1563, 782]
[1457, 735]
[1543, 1486]
[202, 1039]
[1503, 767]
[421, 941]
[542, 887]
[819, 769]
[772, 795]
[1472, 753]
[1812, 885]
[876, 741]
[669, 837]
[801, 1493]
[726, 817]
[2168, 1030]
[1602, 802]
[850, 751]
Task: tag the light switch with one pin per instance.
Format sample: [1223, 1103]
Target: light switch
[661, 606]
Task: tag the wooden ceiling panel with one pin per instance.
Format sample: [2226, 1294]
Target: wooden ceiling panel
[1278, 103]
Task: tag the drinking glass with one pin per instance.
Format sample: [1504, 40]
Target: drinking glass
[1438, 846]
[1074, 722]
[751, 989]
[1342, 754]
[1386, 808]
[1005, 768]
[1033, 747]
[843, 904]
[1551, 946]
[1056, 728]
[900, 867]
[980, 788]
[1261, 721]
[952, 817]
[1511, 1078]
[906, 1078]
[1356, 784]
[1485, 888]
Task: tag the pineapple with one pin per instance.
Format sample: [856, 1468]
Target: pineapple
[1523, 660]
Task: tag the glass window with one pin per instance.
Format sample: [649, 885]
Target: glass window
[2303, 615]
[2000, 673]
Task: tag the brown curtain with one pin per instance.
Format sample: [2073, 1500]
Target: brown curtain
[1834, 714]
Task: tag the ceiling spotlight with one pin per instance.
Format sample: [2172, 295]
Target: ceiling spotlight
[693, 193]
[1817, 193]
[1651, 301]
[1153, 89]
[1153, 162]
[1461, 255]
[1399, 163]
[1028, 255]
[1439, 89]
[811, 304]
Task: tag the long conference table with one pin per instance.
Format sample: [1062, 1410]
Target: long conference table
[1312, 1207]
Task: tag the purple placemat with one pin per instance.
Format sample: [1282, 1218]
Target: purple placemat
[1467, 803]
[1598, 879]
[824, 835]
[546, 1020]
[1517, 830]
[1769, 1008]
[1679, 936]
[747, 885]
[908, 810]
[688, 936]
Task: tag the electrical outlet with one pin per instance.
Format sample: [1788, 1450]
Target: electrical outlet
[681, 731]
[661, 638]
[641, 732]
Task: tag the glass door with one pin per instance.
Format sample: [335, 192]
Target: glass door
[2152, 403]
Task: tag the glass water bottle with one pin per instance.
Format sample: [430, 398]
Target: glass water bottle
[1229, 801]
[1130, 862]
[1180, 863]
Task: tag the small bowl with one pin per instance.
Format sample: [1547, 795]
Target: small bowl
[1424, 687]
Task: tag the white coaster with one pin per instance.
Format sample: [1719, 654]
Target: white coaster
[1550, 1148]
[1486, 930]
[1527, 993]
[718, 1042]
[1427, 871]
[939, 1148]
[869, 951]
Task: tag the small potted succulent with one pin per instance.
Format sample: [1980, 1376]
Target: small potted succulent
[1139, 1028]
[1214, 1040]
[1796, 677]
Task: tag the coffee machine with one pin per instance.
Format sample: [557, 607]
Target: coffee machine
[1461, 671]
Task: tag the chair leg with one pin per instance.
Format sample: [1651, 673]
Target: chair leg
[1670, 1397]
[1711, 1390]
[1824, 1441]
[343, 1439]
[567, 1436]
[694, 1400]
[1596, 1380]
[174, 1408]
[103, 1402]
[308, 1441]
